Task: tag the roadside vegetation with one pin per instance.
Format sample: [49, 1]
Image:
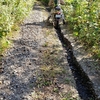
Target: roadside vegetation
[83, 18]
[12, 13]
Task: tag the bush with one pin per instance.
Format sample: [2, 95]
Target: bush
[84, 19]
[12, 13]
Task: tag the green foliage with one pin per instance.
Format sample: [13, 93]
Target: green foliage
[83, 17]
[44, 1]
[12, 13]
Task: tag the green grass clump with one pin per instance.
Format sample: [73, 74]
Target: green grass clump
[83, 17]
[12, 13]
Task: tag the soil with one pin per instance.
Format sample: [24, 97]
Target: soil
[35, 67]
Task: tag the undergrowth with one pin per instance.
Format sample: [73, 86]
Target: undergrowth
[12, 13]
[83, 17]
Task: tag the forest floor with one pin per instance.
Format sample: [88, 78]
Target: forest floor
[35, 67]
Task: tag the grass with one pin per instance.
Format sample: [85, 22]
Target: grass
[67, 80]
[12, 13]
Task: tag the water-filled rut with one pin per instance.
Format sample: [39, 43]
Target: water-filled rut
[83, 83]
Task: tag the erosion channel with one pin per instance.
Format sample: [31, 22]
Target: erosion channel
[83, 83]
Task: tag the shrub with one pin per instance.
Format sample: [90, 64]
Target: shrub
[12, 12]
[84, 19]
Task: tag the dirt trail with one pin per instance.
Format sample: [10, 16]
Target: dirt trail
[35, 67]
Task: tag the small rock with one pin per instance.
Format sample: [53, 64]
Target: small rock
[0, 82]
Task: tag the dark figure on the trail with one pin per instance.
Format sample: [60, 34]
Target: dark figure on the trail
[53, 4]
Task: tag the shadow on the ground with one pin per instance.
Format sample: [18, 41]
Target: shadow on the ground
[44, 24]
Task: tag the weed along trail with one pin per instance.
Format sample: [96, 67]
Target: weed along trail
[83, 83]
[35, 66]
